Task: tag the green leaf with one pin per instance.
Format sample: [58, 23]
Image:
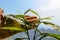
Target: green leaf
[13, 28]
[18, 39]
[18, 11]
[19, 16]
[34, 12]
[52, 25]
[27, 11]
[38, 30]
[16, 16]
[15, 23]
[11, 15]
[31, 11]
[49, 18]
[52, 35]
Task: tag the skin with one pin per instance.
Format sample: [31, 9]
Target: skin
[1, 16]
[1, 12]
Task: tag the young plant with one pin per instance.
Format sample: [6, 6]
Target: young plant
[18, 23]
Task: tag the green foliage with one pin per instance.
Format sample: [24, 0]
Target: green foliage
[31, 11]
[18, 39]
[52, 35]
[13, 22]
[13, 28]
[19, 16]
[52, 25]
[47, 18]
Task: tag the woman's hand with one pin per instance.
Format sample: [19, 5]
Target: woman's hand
[1, 16]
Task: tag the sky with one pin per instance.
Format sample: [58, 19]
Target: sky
[10, 6]
[44, 8]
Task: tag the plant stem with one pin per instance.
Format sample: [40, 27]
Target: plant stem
[28, 35]
[42, 37]
[34, 34]
[27, 32]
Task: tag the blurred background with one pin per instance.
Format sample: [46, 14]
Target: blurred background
[44, 8]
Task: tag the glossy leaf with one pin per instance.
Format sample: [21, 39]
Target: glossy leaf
[52, 35]
[20, 38]
[18, 11]
[47, 18]
[13, 28]
[31, 11]
[19, 16]
[52, 25]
